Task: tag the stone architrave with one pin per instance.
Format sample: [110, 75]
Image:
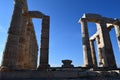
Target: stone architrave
[105, 44]
[93, 53]
[44, 49]
[11, 52]
[86, 45]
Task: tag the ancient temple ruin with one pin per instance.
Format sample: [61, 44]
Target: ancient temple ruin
[21, 51]
[102, 37]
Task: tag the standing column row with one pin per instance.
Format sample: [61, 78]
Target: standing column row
[105, 50]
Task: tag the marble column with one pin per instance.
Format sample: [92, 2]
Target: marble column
[11, 51]
[31, 48]
[44, 49]
[101, 60]
[22, 44]
[93, 53]
[86, 45]
[106, 46]
[117, 30]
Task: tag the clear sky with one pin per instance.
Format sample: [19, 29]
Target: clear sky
[65, 32]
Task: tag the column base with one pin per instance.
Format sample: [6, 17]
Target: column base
[43, 67]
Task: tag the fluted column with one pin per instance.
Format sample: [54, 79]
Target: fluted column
[31, 48]
[101, 60]
[93, 53]
[22, 44]
[86, 45]
[105, 44]
[44, 49]
[12, 46]
[117, 30]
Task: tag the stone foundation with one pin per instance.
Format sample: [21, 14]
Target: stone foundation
[61, 74]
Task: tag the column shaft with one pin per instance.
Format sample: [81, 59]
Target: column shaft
[44, 49]
[86, 45]
[106, 46]
[117, 30]
[101, 60]
[11, 52]
[93, 53]
[30, 59]
[22, 44]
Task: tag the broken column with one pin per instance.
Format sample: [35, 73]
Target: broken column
[11, 52]
[105, 44]
[44, 49]
[93, 53]
[86, 45]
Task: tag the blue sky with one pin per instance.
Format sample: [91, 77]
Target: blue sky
[65, 32]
